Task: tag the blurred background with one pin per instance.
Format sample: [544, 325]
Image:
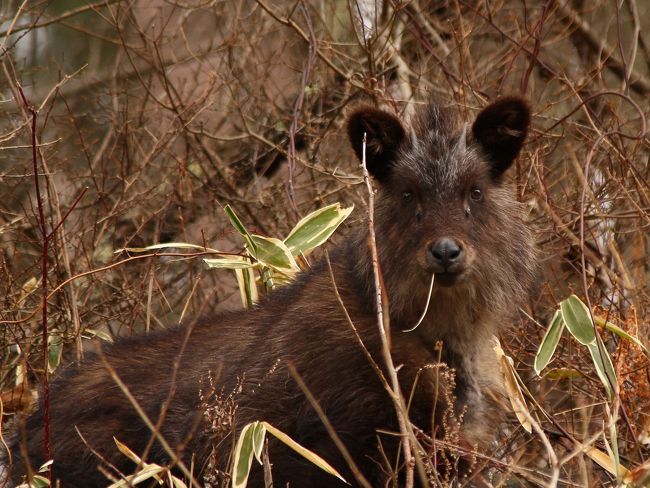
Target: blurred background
[150, 116]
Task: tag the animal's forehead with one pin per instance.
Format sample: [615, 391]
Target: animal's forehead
[441, 160]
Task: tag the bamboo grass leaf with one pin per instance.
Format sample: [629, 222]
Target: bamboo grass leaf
[304, 452]
[620, 332]
[314, 229]
[578, 320]
[236, 223]
[604, 367]
[275, 254]
[512, 387]
[165, 245]
[228, 263]
[244, 452]
[549, 343]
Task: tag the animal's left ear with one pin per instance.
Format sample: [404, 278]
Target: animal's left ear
[384, 136]
[501, 129]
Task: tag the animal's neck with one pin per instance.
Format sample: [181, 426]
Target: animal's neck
[457, 316]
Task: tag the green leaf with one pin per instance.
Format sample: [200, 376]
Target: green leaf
[613, 449]
[37, 481]
[620, 332]
[147, 472]
[275, 254]
[89, 333]
[578, 320]
[251, 440]
[267, 279]
[306, 453]
[604, 367]
[314, 229]
[234, 220]
[228, 263]
[549, 343]
[165, 245]
[279, 278]
[562, 373]
[259, 434]
[178, 483]
[247, 286]
[54, 352]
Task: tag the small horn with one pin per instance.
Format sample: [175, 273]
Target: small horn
[461, 145]
[414, 138]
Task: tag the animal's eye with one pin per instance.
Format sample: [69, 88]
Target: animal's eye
[407, 195]
[476, 194]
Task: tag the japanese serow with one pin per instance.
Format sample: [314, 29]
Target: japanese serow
[443, 208]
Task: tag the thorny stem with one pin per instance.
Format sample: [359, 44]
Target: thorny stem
[44, 263]
[383, 321]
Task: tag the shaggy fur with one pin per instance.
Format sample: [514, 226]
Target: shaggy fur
[436, 179]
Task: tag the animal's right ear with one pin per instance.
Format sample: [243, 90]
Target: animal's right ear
[384, 136]
[501, 130]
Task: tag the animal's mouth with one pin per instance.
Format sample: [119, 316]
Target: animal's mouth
[445, 277]
[448, 278]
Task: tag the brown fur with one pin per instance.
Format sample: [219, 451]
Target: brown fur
[425, 174]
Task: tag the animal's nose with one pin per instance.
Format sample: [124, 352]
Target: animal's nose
[446, 252]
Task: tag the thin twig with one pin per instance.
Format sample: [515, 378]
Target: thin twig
[383, 323]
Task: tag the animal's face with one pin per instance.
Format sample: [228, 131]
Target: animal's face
[441, 206]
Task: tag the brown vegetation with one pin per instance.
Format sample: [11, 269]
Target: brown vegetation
[186, 106]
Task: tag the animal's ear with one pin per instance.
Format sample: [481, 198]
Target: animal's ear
[384, 135]
[501, 129]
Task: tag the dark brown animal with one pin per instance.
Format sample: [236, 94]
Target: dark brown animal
[442, 207]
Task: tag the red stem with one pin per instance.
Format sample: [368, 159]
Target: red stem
[44, 263]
